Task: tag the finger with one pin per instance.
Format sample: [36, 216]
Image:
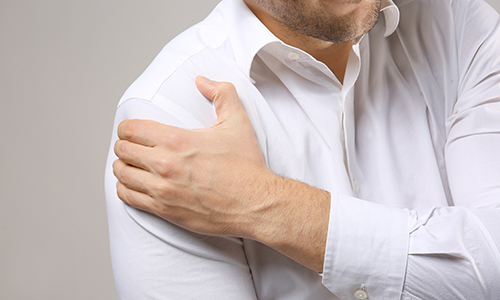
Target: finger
[134, 198]
[134, 154]
[146, 132]
[132, 177]
[139, 131]
[223, 95]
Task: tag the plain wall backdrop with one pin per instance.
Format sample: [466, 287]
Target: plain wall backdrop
[63, 67]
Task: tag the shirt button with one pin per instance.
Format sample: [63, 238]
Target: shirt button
[361, 294]
[293, 55]
[355, 185]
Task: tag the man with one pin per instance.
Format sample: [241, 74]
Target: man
[357, 166]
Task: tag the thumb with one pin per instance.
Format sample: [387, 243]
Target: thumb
[223, 95]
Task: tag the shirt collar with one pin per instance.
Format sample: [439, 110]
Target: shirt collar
[391, 15]
[249, 35]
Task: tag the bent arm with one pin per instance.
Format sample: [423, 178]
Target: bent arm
[153, 259]
[454, 251]
[460, 245]
[442, 252]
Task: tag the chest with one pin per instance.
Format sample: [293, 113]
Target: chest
[382, 141]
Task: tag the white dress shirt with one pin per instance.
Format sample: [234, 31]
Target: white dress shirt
[408, 146]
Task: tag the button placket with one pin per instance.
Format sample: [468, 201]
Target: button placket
[355, 186]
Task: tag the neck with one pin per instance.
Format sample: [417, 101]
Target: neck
[333, 55]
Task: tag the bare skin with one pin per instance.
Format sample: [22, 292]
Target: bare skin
[214, 181]
[323, 28]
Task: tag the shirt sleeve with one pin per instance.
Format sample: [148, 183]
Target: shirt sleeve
[439, 252]
[454, 251]
[154, 259]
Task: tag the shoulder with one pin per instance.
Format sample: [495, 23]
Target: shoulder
[199, 45]
[454, 24]
[434, 9]
[205, 49]
[168, 83]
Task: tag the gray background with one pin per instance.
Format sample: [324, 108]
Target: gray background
[63, 67]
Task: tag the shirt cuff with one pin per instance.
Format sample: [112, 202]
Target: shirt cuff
[366, 250]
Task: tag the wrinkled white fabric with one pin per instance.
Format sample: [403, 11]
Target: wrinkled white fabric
[408, 146]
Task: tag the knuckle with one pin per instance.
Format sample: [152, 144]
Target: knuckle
[174, 140]
[128, 129]
[164, 167]
[120, 148]
[124, 175]
[116, 148]
[226, 86]
[116, 166]
[177, 140]
[223, 90]
[121, 191]
[119, 168]
[129, 197]
[162, 190]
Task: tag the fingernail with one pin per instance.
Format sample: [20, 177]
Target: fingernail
[202, 78]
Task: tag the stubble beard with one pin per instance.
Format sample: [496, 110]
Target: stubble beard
[322, 24]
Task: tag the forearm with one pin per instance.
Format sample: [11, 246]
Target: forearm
[437, 253]
[296, 222]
